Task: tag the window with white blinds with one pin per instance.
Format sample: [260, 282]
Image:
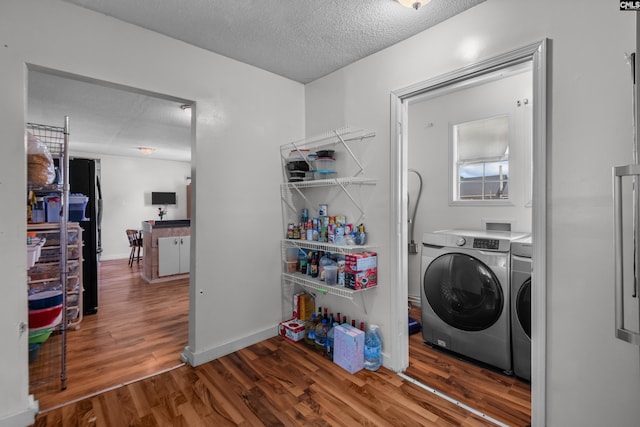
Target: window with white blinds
[481, 159]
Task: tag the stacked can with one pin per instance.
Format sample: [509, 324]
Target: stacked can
[323, 228]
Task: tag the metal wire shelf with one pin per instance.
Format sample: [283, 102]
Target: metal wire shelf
[56, 140]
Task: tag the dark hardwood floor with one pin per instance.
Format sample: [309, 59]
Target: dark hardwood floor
[505, 398]
[140, 329]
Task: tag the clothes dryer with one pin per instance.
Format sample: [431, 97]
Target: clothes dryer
[521, 267]
[465, 293]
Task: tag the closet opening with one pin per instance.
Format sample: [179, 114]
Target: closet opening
[402, 102]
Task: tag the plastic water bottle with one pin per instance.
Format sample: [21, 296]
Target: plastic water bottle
[310, 331]
[321, 336]
[372, 349]
[330, 336]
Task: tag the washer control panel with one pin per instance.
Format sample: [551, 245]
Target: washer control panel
[492, 244]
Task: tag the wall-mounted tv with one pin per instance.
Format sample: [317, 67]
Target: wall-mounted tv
[163, 198]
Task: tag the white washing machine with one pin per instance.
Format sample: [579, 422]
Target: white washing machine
[521, 267]
[465, 293]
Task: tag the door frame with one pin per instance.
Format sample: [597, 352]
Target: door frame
[399, 343]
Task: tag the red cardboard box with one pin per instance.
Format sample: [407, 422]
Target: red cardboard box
[292, 329]
[361, 270]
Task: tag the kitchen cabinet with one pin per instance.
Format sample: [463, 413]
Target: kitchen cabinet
[172, 261]
[346, 192]
[173, 255]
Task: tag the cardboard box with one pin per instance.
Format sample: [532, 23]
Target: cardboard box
[361, 270]
[303, 306]
[292, 329]
[348, 348]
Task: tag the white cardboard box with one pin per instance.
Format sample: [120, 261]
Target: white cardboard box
[348, 347]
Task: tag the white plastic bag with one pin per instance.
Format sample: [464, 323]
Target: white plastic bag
[40, 167]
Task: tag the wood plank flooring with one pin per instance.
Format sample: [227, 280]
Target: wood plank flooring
[274, 382]
[139, 329]
[505, 398]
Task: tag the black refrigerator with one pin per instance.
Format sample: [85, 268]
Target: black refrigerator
[84, 179]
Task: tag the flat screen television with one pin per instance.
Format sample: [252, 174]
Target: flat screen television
[163, 198]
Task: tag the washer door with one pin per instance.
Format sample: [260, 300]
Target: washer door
[463, 292]
[523, 307]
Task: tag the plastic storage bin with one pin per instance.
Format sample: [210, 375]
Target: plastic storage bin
[39, 212]
[53, 208]
[324, 163]
[324, 174]
[77, 206]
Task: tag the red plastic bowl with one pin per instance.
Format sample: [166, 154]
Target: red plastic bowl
[44, 318]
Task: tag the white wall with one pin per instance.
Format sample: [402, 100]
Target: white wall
[592, 378]
[242, 115]
[127, 183]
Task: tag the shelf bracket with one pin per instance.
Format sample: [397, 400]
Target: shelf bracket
[364, 306]
[356, 204]
[289, 205]
[353, 156]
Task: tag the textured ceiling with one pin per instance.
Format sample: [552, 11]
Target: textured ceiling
[107, 120]
[299, 39]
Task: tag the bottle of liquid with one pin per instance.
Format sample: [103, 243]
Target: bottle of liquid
[310, 331]
[372, 349]
[330, 335]
[302, 261]
[313, 267]
[361, 237]
[321, 336]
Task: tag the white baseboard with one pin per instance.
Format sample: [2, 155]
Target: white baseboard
[24, 418]
[113, 257]
[198, 358]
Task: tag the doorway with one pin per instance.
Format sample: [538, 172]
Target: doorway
[535, 55]
[108, 122]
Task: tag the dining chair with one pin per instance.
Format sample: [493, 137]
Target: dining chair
[135, 243]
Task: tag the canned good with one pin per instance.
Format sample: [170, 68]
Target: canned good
[322, 210]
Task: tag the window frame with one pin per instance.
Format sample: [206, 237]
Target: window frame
[454, 190]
